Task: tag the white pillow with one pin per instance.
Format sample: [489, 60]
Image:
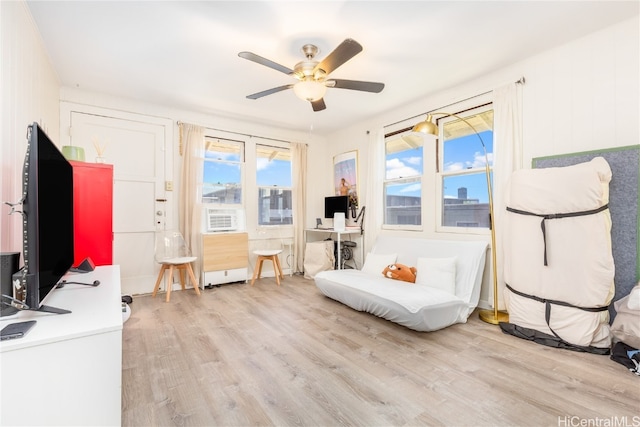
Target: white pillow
[439, 273]
[375, 263]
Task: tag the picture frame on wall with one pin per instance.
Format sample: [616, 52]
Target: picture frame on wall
[345, 178]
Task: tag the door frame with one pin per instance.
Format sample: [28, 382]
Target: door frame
[168, 129]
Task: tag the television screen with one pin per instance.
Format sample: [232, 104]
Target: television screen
[335, 204]
[48, 226]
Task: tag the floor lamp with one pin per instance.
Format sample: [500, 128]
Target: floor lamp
[427, 127]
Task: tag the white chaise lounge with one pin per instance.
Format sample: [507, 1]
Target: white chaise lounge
[446, 291]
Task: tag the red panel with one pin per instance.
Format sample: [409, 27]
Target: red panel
[93, 212]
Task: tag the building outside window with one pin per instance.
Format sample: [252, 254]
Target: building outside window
[273, 178]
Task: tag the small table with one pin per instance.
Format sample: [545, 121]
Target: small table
[347, 231]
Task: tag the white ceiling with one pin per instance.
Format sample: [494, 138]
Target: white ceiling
[184, 54]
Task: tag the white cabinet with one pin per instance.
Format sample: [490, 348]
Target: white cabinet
[225, 276]
[225, 258]
[68, 369]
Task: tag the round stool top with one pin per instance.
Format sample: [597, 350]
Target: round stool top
[178, 260]
[268, 252]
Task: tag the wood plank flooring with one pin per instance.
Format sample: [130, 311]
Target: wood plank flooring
[288, 356]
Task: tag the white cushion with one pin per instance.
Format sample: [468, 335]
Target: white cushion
[439, 273]
[178, 260]
[268, 252]
[375, 263]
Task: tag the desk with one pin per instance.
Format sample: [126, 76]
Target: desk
[339, 234]
[68, 369]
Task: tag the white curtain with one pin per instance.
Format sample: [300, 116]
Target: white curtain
[373, 190]
[507, 141]
[299, 170]
[190, 207]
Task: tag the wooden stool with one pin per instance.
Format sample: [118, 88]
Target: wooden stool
[268, 255]
[180, 264]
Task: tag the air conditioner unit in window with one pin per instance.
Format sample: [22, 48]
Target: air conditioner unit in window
[224, 220]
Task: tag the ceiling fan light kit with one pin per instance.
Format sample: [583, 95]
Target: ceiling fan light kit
[309, 90]
[312, 75]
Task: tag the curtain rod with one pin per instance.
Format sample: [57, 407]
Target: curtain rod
[520, 81]
[243, 134]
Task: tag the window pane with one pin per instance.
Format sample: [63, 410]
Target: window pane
[465, 201]
[273, 166]
[403, 204]
[462, 147]
[402, 160]
[464, 184]
[274, 206]
[222, 171]
[222, 183]
[466, 152]
[273, 177]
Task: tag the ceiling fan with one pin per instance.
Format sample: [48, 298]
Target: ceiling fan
[312, 75]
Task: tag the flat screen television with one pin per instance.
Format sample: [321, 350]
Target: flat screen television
[48, 219]
[333, 204]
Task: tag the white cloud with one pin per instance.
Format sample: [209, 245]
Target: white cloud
[477, 162]
[413, 160]
[411, 188]
[262, 163]
[397, 169]
[454, 166]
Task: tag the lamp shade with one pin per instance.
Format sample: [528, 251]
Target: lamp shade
[309, 90]
[427, 127]
[421, 131]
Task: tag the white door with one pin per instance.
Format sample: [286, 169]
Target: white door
[137, 151]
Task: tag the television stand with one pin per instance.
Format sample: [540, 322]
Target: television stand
[70, 365]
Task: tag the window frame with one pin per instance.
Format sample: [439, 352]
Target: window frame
[441, 174]
[258, 187]
[241, 163]
[419, 178]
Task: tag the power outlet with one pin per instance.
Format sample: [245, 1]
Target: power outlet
[168, 185]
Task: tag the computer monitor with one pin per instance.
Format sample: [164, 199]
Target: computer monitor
[333, 204]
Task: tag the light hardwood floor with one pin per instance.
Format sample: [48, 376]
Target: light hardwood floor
[268, 355]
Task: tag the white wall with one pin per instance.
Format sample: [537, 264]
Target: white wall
[581, 96]
[29, 88]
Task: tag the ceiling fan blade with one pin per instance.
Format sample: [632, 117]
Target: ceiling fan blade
[269, 91]
[344, 52]
[318, 105]
[355, 85]
[266, 62]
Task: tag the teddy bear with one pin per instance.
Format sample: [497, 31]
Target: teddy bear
[400, 272]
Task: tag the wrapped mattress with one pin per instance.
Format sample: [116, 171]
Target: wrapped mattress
[558, 265]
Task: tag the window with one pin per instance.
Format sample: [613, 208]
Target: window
[462, 178]
[403, 182]
[223, 169]
[273, 178]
